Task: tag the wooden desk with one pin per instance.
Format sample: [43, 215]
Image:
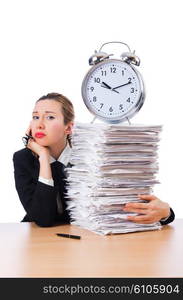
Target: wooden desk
[31, 251]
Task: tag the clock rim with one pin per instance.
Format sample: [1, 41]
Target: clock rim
[134, 109]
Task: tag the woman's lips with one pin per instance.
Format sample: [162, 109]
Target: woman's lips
[40, 135]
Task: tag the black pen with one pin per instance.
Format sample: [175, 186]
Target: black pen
[69, 235]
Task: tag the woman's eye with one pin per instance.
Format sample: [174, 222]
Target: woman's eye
[50, 117]
[35, 117]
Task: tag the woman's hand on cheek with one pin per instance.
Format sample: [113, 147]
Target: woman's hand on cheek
[150, 212]
[37, 149]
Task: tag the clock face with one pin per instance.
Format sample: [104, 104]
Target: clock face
[113, 90]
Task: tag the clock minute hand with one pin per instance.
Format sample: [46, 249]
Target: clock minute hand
[121, 85]
[108, 87]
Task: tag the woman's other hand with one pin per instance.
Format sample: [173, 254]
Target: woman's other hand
[152, 211]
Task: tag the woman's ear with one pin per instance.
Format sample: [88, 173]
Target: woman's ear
[68, 129]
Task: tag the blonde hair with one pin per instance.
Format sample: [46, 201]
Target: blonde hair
[66, 107]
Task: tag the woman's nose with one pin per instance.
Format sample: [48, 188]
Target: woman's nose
[40, 124]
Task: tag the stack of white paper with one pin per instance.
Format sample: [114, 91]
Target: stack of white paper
[112, 164]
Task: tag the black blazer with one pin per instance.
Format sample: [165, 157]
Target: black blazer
[38, 199]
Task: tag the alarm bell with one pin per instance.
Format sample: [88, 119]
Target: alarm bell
[98, 57]
[130, 57]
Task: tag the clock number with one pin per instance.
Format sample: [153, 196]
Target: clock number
[113, 70]
[129, 80]
[92, 88]
[132, 90]
[94, 99]
[97, 79]
[123, 72]
[128, 100]
[104, 73]
[111, 109]
[101, 105]
[121, 106]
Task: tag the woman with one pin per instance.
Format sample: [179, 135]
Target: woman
[39, 168]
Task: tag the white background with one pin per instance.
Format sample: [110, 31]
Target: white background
[45, 47]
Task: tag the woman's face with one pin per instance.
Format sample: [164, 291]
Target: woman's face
[47, 123]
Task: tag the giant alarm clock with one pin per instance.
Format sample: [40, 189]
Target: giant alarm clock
[113, 90]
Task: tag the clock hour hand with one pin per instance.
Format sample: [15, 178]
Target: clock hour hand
[105, 85]
[116, 87]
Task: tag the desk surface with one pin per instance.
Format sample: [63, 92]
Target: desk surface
[31, 251]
